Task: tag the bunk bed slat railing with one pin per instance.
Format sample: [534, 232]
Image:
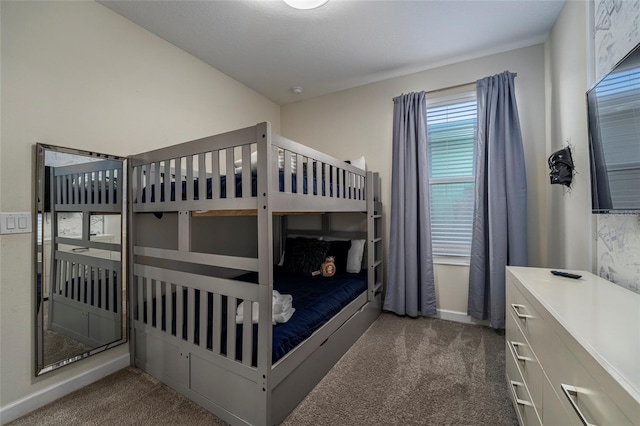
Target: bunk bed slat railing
[230, 181]
[191, 317]
[106, 303]
[139, 314]
[223, 261]
[231, 326]
[215, 166]
[202, 176]
[157, 174]
[195, 181]
[246, 171]
[300, 174]
[179, 309]
[165, 172]
[180, 297]
[178, 180]
[199, 180]
[101, 187]
[85, 284]
[204, 318]
[90, 274]
[149, 296]
[224, 286]
[159, 285]
[189, 177]
[247, 333]
[217, 142]
[91, 190]
[217, 319]
[169, 306]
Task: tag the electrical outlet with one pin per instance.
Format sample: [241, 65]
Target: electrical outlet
[15, 223]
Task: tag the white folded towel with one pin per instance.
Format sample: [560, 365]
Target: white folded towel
[281, 306]
[285, 316]
[281, 310]
[277, 297]
[254, 313]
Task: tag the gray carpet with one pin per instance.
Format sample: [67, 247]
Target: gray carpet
[400, 372]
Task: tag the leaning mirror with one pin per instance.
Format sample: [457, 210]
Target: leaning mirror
[79, 277]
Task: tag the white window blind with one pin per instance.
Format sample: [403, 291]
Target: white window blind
[451, 132]
[619, 107]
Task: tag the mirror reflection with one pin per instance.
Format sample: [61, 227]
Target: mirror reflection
[79, 275]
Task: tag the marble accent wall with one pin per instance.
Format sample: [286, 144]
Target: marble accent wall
[618, 249]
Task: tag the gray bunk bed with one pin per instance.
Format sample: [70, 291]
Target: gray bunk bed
[184, 299]
[85, 283]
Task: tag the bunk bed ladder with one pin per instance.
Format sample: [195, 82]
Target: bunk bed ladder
[374, 236]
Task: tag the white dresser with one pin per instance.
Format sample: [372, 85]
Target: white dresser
[572, 349]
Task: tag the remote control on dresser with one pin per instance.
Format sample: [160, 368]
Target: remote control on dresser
[566, 274]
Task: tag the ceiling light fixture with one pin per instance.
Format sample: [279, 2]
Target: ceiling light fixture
[297, 90]
[305, 4]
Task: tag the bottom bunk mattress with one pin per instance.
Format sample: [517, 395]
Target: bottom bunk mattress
[315, 300]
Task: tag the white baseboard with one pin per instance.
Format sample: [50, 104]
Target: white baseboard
[459, 317]
[49, 394]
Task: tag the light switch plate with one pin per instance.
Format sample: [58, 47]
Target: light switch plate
[15, 223]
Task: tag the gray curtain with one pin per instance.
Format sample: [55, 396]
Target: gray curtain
[410, 283]
[500, 211]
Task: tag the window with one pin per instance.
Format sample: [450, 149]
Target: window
[451, 133]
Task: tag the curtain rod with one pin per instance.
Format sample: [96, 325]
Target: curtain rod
[455, 86]
[450, 87]
[441, 90]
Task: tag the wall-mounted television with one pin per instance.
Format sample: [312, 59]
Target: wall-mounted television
[613, 106]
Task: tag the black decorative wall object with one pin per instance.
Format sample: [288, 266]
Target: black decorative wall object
[561, 167]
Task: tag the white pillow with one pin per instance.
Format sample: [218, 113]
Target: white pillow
[354, 258]
[281, 161]
[359, 163]
[254, 162]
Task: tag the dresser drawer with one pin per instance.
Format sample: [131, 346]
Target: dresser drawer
[520, 396]
[518, 348]
[530, 322]
[553, 411]
[581, 395]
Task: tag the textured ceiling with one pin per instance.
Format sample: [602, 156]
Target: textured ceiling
[271, 47]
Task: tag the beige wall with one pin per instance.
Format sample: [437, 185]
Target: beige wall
[76, 74]
[569, 242]
[353, 122]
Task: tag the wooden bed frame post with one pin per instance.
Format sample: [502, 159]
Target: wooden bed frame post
[53, 269]
[132, 185]
[374, 226]
[265, 270]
